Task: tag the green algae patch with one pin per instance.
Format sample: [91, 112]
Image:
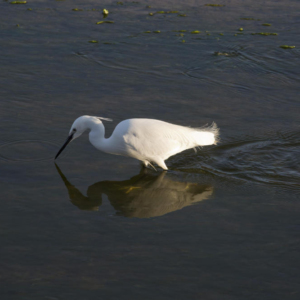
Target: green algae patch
[151, 14]
[29, 8]
[215, 5]
[264, 33]
[241, 29]
[180, 34]
[156, 31]
[181, 15]
[105, 11]
[102, 22]
[221, 33]
[183, 41]
[266, 24]
[148, 6]
[120, 3]
[195, 32]
[18, 2]
[93, 41]
[179, 30]
[167, 12]
[287, 47]
[148, 31]
[77, 9]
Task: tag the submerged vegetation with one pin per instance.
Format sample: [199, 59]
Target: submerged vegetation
[249, 19]
[287, 47]
[102, 22]
[264, 33]
[215, 5]
[215, 34]
[230, 54]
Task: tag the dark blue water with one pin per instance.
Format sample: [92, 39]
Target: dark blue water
[222, 223]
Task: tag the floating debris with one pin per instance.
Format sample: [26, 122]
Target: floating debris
[195, 32]
[264, 33]
[101, 22]
[156, 31]
[287, 47]
[215, 5]
[266, 24]
[18, 2]
[167, 12]
[229, 54]
[93, 41]
[241, 29]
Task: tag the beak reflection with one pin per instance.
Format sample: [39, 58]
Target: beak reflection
[142, 196]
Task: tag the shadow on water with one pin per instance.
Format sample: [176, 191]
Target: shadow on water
[142, 196]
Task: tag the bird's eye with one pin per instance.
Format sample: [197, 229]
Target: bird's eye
[74, 129]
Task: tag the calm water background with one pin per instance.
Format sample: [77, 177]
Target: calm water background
[222, 223]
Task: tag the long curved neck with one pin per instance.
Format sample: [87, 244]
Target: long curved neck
[97, 136]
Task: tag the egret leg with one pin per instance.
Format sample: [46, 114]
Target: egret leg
[161, 163]
[146, 164]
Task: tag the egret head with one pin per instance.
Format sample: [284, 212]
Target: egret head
[79, 126]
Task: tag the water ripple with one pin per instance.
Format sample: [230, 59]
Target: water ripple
[273, 160]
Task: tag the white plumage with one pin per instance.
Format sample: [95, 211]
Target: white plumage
[148, 140]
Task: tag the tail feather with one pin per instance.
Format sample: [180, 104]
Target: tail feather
[207, 135]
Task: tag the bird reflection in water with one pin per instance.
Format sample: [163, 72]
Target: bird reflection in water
[142, 196]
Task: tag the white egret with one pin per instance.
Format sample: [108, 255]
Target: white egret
[148, 140]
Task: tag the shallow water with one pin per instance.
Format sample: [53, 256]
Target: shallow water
[223, 223]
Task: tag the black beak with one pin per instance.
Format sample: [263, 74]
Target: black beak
[69, 139]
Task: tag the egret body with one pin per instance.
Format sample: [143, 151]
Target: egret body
[148, 140]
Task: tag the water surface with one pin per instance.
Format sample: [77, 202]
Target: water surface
[223, 223]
